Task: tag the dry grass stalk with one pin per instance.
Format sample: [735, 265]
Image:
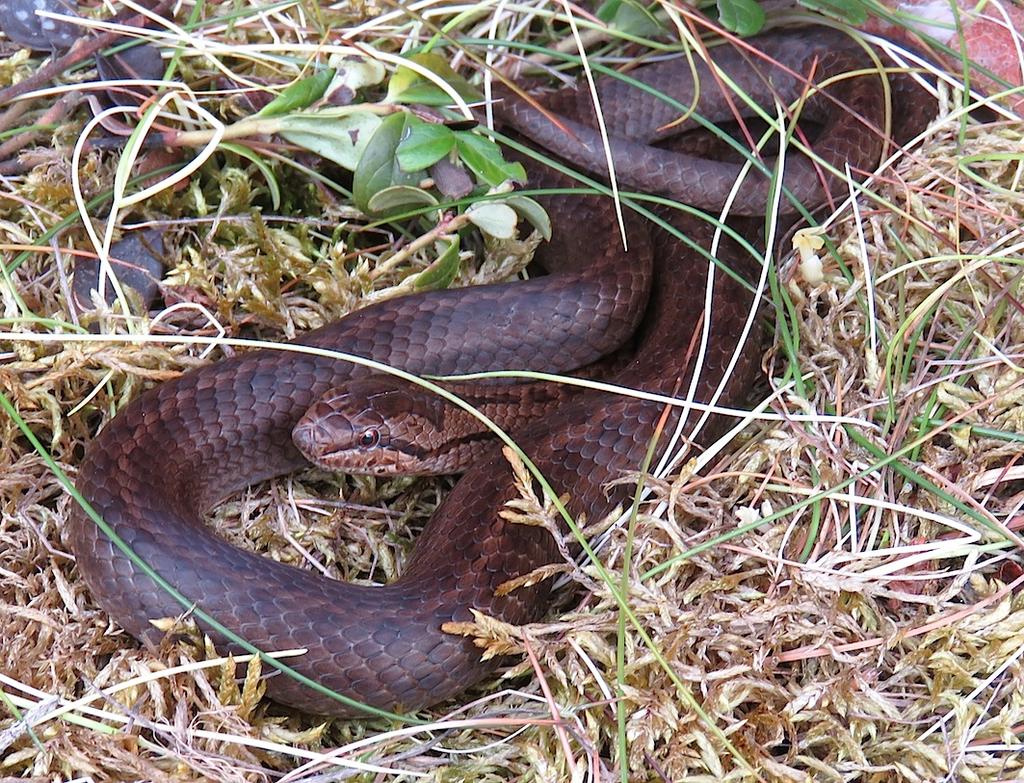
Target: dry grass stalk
[883, 647]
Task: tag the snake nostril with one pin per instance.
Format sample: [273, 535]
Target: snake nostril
[311, 437]
[302, 437]
[317, 434]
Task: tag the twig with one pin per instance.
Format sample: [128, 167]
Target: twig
[449, 224]
[58, 111]
[81, 50]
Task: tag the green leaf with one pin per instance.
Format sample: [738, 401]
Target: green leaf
[483, 156]
[398, 198]
[423, 93]
[355, 72]
[407, 86]
[630, 17]
[854, 12]
[498, 220]
[442, 271]
[268, 173]
[425, 144]
[607, 10]
[340, 139]
[378, 167]
[528, 208]
[299, 95]
[743, 17]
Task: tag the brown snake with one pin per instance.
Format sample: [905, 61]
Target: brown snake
[184, 445]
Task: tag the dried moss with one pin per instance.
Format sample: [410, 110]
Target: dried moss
[825, 644]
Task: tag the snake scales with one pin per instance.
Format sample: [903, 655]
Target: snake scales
[184, 445]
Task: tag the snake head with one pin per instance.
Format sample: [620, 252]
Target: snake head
[373, 426]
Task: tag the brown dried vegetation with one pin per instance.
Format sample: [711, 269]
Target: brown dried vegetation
[843, 620]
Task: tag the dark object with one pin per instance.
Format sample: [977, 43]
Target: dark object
[137, 260]
[182, 446]
[450, 179]
[461, 125]
[83, 48]
[24, 26]
[140, 60]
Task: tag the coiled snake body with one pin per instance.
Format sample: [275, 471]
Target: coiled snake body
[184, 445]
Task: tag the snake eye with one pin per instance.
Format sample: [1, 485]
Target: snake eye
[369, 438]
